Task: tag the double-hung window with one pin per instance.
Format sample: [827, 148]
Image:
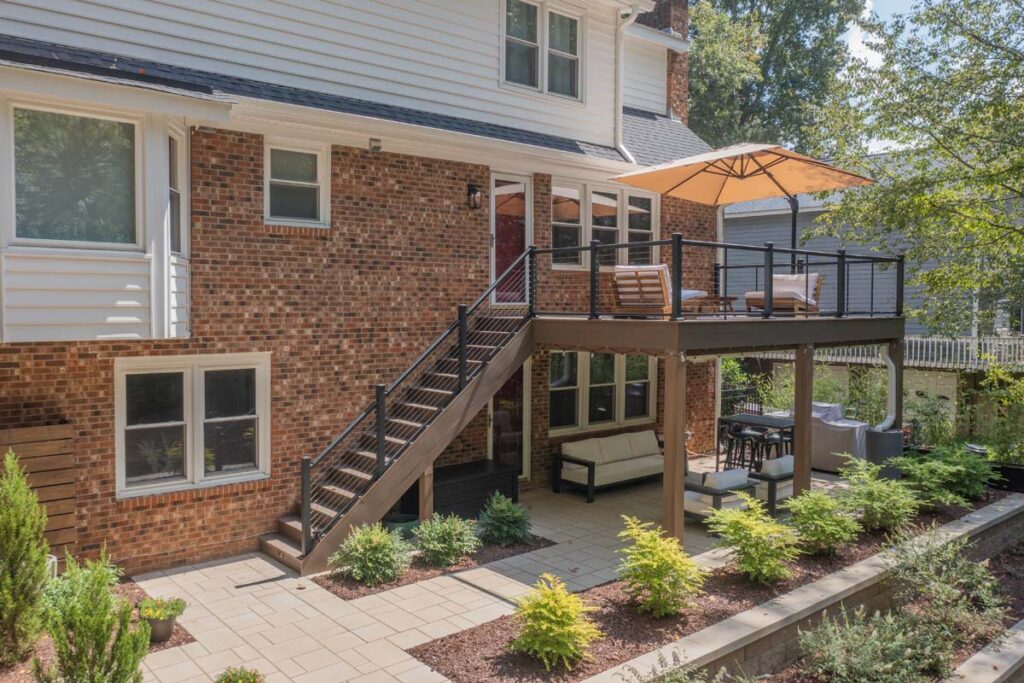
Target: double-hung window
[76, 178]
[600, 391]
[581, 213]
[175, 179]
[542, 48]
[190, 421]
[297, 186]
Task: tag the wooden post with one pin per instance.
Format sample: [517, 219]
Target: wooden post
[896, 356]
[802, 417]
[426, 489]
[675, 446]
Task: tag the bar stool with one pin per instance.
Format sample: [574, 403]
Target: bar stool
[737, 442]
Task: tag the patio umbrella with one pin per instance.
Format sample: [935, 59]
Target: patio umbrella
[742, 173]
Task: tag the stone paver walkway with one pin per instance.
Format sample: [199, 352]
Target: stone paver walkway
[250, 610]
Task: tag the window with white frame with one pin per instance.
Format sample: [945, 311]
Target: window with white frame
[595, 391]
[75, 178]
[581, 213]
[542, 48]
[191, 421]
[175, 180]
[297, 185]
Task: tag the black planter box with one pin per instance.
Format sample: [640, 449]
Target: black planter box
[1013, 477]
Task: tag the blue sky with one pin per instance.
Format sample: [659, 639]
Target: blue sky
[887, 8]
[884, 9]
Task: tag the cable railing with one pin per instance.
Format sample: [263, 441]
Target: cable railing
[723, 279]
[334, 480]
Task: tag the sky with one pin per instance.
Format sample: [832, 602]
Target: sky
[885, 10]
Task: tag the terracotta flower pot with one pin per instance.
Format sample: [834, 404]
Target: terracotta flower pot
[160, 630]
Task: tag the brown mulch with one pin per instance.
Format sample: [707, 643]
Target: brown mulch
[482, 654]
[44, 650]
[349, 589]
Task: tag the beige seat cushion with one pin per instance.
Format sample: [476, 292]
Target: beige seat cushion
[725, 479]
[778, 466]
[702, 505]
[643, 443]
[783, 490]
[615, 472]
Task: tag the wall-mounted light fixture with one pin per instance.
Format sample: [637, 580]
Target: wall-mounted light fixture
[374, 144]
[473, 196]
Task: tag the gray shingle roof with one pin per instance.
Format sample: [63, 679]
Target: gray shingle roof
[656, 138]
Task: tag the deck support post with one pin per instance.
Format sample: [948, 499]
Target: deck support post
[675, 446]
[802, 418]
[896, 400]
[426, 491]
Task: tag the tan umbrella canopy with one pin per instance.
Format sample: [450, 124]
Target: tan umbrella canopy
[742, 173]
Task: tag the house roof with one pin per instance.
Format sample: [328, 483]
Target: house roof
[649, 137]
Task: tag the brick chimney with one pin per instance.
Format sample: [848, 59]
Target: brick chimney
[672, 14]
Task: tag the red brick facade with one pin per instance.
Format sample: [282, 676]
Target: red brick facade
[673, 14]
[340, 309]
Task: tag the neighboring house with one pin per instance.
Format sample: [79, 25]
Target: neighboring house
[227, 223]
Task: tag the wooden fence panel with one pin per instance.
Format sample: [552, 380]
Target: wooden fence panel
[47, 455]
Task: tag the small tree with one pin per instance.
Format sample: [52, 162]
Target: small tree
[23, 552]
[92, 629]
[503, 522]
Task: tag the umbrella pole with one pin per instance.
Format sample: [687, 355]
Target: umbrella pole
[794, 206]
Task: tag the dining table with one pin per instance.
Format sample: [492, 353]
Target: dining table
[780, 423]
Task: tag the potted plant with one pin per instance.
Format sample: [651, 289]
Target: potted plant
[161, 614]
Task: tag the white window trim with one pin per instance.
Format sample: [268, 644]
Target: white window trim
[543, 18]
[586, 189]
[10, 229]
[323, 177]
[583, 425]
[193, 368]
[184, 183]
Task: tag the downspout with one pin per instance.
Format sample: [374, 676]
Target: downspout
[625, 21]
[890, 406]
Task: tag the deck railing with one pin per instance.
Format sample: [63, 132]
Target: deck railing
[940, 353]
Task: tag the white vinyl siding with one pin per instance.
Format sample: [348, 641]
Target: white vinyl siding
[64, 297]
[442, 56]
[646, 77]
[180, 304]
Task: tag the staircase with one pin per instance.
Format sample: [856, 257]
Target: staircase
[381, 453]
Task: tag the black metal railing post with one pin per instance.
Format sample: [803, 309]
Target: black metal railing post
[840, 283]
[769, 269]
[594, 277]
[677, 275]
[900, 273]
[463, 341]
[306, 492]
[531, 280]
[381, 429]
[718, 279]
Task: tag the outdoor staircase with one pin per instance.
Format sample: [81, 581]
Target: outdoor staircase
[369, 466]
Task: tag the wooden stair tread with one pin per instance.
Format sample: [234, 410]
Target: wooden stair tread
[282, 549]
[290, 526]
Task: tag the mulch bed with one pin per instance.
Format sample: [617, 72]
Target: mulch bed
[349, 589]
[482, 655]
[127, 589]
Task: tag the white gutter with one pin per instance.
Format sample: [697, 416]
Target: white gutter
[666, 38]
[624, 22]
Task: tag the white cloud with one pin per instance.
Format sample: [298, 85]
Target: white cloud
[855, 39]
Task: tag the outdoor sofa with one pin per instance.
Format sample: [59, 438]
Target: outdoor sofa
[607, 461]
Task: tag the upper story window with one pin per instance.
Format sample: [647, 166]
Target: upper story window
[542, 48]
[175, 180]
[581, 213]
[75, 178]
[297, 186]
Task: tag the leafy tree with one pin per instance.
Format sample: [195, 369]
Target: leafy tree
[22, 562]
[759, 68]
[946, 92]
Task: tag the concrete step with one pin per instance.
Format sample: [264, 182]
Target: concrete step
[282, 549]
[291, 527]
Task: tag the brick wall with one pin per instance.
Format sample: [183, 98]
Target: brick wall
[312, 297]
[673, 14]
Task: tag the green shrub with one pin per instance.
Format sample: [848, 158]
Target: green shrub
[92, 631]
[372, 555]
[945, 587]
[881, 504]
[554, 626]
[821, 522]
[503, 522]
[161, 608]
[444, 539]
[659, 576]
[675, 671]
[238, 674]
[881, 648]
[868, 394]
[999, 414]
[949, 475]
[762, 546]
[22, 563]
[930, 419]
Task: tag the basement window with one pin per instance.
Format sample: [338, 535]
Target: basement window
[297, 187]
[191, 421]
[600, 391]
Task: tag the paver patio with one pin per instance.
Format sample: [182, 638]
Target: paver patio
[254, 611]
